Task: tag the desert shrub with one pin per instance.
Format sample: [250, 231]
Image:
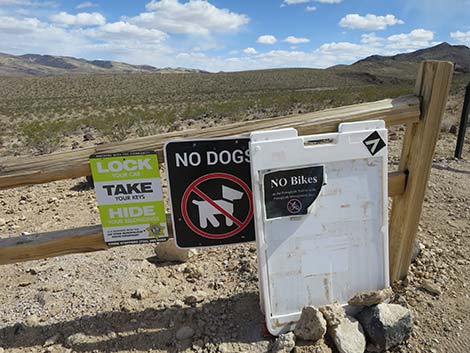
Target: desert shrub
[43, 136]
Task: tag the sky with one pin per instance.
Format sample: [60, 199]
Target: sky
[230, 35]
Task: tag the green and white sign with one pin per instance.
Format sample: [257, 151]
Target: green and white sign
[130, 198]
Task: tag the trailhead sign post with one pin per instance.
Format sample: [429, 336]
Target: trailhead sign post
[210, 191]
[130, 197]
[321, 217]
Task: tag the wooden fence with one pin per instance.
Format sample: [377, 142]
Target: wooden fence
[421, 113]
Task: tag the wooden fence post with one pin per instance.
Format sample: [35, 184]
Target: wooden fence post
[432, 85]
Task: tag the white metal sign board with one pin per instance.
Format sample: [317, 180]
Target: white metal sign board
[321, 217]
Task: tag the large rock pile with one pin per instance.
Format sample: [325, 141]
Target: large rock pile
[376, 327]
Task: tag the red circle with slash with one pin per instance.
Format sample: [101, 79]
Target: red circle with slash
[193, 188]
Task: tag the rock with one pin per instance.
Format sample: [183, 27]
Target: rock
[52, 200]
[57, 348]
[52, 340]
[75, 339]
[140, 294]
[196, 297]
[309, 347]
[2, 222]
[88, 136]
[184, 333]
[430, 287]
[333, 314]
[418, 248]
[311, 325]
[453, 129]
[192, 272]
[371, 298]
[349, 336]
[284, 343]
[386, 325]
[167, 251]
[32, 320]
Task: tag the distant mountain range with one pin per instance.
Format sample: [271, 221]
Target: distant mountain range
[400, 64]
[458, 54]
[41, 65]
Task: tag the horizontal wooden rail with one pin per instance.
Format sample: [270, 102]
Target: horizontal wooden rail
[89, 239]
[21, 171]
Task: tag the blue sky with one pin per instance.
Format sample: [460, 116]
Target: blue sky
[230, 35]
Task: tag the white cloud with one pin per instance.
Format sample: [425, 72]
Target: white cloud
[250, 51]
[86, 4]
[329, 1]
[296, 40]
[416, 39]
[125, 31]
[462, 37]
[267, 39]
[30, 35]
[310, 8]
[28, 3]
[193, 17]
[80, 19]
[371, 39]
[295, 2]
[369, 22]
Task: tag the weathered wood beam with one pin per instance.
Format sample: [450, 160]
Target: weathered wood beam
[89, 239]
[20, 171]
[433, 84]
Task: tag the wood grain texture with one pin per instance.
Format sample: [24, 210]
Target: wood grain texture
[89, 239]
[433, 84]
[21, 171]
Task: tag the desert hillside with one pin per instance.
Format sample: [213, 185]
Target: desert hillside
[129, 299]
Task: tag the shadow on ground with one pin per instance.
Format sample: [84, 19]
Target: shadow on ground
[232, 319]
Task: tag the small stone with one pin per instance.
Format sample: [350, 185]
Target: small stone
[52, 200]
[32, 320]
[386, 325]
[453, 129]
[75, 339]
[311, 325]
[284, 343]
[88, 136]
[196, 297]
[430, 287]
[371, 298]
[349, 336]
[184, 333]
[52, 340]
[140, 294]
[333, 314]
[167, 251]
[417, 249]
[309, 347]
[2, 222]
[192, 272]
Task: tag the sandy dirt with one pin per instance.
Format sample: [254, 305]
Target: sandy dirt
[125, 300]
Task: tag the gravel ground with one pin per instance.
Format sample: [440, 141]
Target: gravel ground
[125, 300]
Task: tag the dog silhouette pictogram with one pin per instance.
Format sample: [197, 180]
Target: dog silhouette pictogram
[207, 212]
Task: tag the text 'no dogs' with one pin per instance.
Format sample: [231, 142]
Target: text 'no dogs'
[210, 191]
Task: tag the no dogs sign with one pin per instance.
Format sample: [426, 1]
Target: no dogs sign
[130, 199]
[210, 191]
